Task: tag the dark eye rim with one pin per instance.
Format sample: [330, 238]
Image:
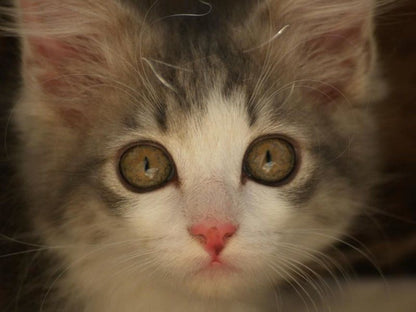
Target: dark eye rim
[172, 176]
[245, 173]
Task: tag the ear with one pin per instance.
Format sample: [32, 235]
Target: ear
[66, 54]
[55, 37]
[331, 46]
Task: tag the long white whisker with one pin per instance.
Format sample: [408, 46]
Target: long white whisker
[189, 14]
[366, 253]
[158, 76]
[313, 255]
[289, 281]
[296, 267]
[327, 291]
[274, 37]
[290, 270]
[169, 65]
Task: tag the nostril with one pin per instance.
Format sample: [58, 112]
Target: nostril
[228, 234]
[198, 231]
[228, 230]
[200, 237]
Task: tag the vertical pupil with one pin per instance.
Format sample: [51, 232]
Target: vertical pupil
[146, 164]
[268, 157]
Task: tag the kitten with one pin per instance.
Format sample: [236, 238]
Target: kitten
[193, 156]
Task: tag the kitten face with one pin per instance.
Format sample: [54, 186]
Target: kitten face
[270, 222]
[204, 96]
[276, 225]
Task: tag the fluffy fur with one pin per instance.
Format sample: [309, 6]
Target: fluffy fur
[204, 80]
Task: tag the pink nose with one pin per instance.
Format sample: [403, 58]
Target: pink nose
[213, 235]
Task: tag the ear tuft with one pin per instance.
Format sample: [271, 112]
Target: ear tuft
[69, 51]
[55, 40]
[331, 45]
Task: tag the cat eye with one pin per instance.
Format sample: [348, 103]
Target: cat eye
[146, 166]
[269, 160]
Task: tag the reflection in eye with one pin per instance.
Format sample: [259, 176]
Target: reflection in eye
[146, 166]
[269, 160]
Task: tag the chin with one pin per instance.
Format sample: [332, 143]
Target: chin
[221, 281]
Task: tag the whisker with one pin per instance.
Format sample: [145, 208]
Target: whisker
[158, 76]
[313, 255]
[23, 278]
[305, 267]
[74, 245]
[189, 14]
[134, 258]
[67, 268]
[290, 282]
[302, 288]
[170, 65]
[295, 266]
[145, 78]
[18, 253]
[274, 37]
[391, 215]
[366, 253]
[267, 66]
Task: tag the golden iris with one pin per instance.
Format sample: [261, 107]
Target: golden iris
[146, 166]
[269, 160]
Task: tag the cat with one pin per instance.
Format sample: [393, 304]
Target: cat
[193, 155]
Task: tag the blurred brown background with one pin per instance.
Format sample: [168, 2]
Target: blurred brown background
[390, 235]
[394, 245]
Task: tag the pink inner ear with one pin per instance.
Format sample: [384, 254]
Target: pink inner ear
[341, 39]
[346, 54]
[51, 49]
[50, 59]
[44, 47]
[44, 51]
[61, 61]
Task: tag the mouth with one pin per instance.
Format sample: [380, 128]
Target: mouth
[218, 279]
[217, 267]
